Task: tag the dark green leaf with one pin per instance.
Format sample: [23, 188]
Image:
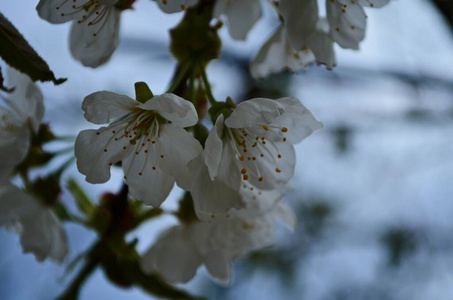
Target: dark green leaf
[17, 53]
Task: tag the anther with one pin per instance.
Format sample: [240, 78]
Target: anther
[278, 170]
[284, 129]
[243, 171]
[265, 127]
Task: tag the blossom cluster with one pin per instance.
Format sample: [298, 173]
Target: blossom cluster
[234, 174]
[235, 180]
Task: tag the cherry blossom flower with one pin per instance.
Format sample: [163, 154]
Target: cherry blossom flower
[182, 249]
[255, 144]
[39, 228]
[19, 119]
[277, 54]
[95, 29]
[149, 138]
[174, 6]
[240, 15]
[347, 20]
[307, 32]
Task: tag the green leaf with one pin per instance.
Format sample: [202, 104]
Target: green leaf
[17, 53]
[142, 92]
[83, 202]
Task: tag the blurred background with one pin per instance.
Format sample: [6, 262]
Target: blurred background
[373, 190]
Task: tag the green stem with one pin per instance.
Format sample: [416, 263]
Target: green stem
[192, 86]
[179, 77]
[207, 86]
[72, 291]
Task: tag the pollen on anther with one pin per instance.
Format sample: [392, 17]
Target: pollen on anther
[146, 151]
[242, 157]
[105, 150]
[161, 156]
[124, 148]
[154, 168]
[243, 171]
[262, 155]
[284, 139]
[260, 179]
[279, 156]
[97, 133]
[278, 170]
[153, 142]
[265, 127]
[140, 174]
[245, 177]
[113, 131]
[136, 152]
[284, 129]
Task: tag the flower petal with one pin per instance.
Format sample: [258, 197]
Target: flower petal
[178, 147]
[213, 148]
[241, 15]
[300, 19]
[97, 150]
[173, 256]
[102, 107]
[284, 214]
[26, 100]
[13, 148]
[174, 6]
[57, 11]
[219, 266]
[373, 3]
[277, 54]
[254, 111]
[298, 120]
[347, 22]
[173, 108]
[93, 44]
[321, 45]
[147, 182]
[212, 196]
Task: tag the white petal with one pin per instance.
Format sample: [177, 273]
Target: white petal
[26, 100]
[173, 256]
[92, 159]
[41, 231]
[241, 15]
[173, 108]
[174, 6]
[347, 22]
[219, 266]
[322, 47]
[13, 204]
[178, 148]
[254, 111]
[212, 196]
[13, 148]
[300, 19]
[275, 171]
[277, 54]
[58, 11]
[212, 153]
[373, 3]
[284, 213]
[147, 182]
[102, 107]
[93, 45]
[43, 235]
[299, 121]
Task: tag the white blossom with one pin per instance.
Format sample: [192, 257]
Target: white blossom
[39, 228]
[182, 249]
[347, 20]
[240, 15]
[255, 144]
[306, 31]
[19, 118]
[149, 139]
[277, 54]
[174, 6]
[95, 29]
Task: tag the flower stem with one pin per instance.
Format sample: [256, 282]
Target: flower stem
[181, 74]
[207, 85]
